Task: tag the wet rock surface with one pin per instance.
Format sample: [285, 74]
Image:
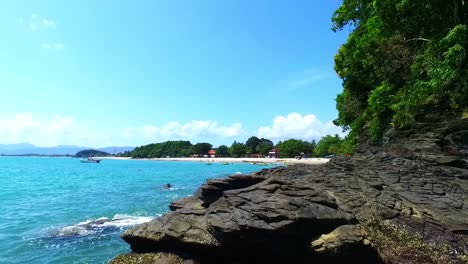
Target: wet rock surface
[304, 213]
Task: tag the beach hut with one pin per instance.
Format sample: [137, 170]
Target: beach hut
[212, 153]
[273, 153]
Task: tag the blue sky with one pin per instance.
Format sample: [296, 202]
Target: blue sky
[100, 73]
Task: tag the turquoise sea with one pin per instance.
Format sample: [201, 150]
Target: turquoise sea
[58, 210]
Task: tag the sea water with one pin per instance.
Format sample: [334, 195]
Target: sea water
[58, 210]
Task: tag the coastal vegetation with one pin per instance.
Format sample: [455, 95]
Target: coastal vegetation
[294, 147]
[329, 145]
[157, 150]
[91, 153]
[401, 61]
[253, 147]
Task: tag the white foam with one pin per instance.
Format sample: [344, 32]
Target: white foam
[122, 220]
[73, 230]
[92, 226]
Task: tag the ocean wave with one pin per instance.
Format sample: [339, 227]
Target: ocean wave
[101, 225]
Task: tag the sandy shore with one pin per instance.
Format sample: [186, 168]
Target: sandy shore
[113, 158]
[314, 161]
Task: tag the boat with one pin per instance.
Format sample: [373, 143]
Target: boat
[90, 160]
[209, 163]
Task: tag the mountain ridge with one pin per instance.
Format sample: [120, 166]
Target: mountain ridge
[26, 148]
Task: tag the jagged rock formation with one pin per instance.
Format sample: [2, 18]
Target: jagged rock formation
[418, 181]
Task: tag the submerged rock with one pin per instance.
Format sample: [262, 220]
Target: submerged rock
[305, 213]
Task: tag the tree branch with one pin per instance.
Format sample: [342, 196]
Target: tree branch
[416, 39]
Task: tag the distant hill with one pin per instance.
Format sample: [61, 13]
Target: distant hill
[13, 147]
[30, 149]
[91, 153]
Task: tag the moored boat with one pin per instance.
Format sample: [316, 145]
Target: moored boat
[90, 160]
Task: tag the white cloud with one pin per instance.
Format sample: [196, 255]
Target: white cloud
[296, 126]
[57, 130]
[195, 129]
[47, 23]
[37, 22]
[54, 46]
[65, 130]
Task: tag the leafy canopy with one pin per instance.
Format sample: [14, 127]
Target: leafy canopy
[201, 148]
[403, 59]
[222, 151]
[238, 149]
[294, 147]
[329, 145]
[160, 150]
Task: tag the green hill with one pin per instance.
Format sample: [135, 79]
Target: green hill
[91, 153]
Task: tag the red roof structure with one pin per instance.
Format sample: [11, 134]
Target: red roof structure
[212, 152]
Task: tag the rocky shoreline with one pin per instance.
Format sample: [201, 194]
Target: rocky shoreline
[403, 202]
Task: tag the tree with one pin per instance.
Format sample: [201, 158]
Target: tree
[328, 145]
[201, 148]
[185, 153]
[91, 153]
[264, 147]
[403, 59]
[291, 148]
[238, 149]
[252, 144]
[313, 145]
[222, 151]
[158, 150]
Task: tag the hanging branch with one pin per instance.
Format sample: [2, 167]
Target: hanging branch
[416, 39]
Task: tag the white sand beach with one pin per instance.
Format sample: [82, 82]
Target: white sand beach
[315, 161]
[312, 161]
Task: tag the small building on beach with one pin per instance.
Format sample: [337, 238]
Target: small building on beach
[212, 153]
[273, 153]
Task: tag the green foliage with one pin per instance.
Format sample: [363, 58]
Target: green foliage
[264, 147]
[91, 153]
[465, 114]
[201, 148]
[293, 147]
[252, 144]
[329, 145]
[404, 58]
[349, 143]
[238, 149]
[257, 145]
[159, 150]
[222, 151]
[185, 149]
[313, 145]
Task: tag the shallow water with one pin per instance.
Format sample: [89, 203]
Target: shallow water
[58, 210]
